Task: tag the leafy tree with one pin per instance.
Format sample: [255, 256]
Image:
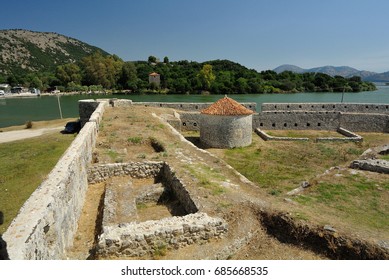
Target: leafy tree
[152, 59]
[68, 73]
[128, 76]
[166, 60]
[100, 70]
[206, 76]
[33, 81]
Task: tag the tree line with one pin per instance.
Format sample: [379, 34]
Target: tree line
[98, 72]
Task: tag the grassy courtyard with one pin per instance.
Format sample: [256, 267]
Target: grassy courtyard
[356, 201]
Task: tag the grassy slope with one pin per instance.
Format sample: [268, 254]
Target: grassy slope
[351, 201]
[23, 166]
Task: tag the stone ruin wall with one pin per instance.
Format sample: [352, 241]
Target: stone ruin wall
[139, 239]
[147, 238]
[48, 220]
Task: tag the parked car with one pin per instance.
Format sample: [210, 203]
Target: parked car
[72, 127]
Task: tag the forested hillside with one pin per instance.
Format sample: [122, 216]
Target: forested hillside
[49, 60]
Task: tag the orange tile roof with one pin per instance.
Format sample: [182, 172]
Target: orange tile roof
[153, 74]
[226, 107]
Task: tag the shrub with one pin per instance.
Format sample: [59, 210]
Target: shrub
[28, 124]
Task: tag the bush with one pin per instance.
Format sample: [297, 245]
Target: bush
[28, 124]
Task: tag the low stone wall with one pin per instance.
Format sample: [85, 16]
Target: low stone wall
[267, 137]
[172, 182]
[153, 237]
[349, 137]
[147, 169]
[374, 165]
[47, 222]
[137, 239]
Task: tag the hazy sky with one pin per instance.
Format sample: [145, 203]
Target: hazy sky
[260, 34]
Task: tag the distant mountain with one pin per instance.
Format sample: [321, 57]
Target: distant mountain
[289, 67]
[381, 77]
[22, 51]
[344, 71]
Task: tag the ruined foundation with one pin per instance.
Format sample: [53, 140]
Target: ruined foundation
[126, 230]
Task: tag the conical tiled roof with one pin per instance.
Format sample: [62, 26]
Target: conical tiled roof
[226, 107]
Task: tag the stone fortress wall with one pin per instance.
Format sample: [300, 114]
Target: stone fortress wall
[310, 116]
[48, 220]
[324, 116]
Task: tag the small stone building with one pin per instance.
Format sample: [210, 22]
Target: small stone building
[226, 124]
[155, 78]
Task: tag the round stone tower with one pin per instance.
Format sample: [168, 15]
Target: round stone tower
[226, 124]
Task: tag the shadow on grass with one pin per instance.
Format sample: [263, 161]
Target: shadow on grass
[3, 244]
[196, 141]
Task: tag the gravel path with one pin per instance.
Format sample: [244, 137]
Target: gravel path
[10, 136]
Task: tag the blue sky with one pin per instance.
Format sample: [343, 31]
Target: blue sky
[260, 34]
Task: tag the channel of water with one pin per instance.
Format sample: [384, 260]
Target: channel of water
[17, 111]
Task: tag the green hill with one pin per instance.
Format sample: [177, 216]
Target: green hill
[24, 51]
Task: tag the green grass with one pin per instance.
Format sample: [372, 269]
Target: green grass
[23, 166]
[356, 200]
[278, 167]
[207, 177]
[385, 157]
[135, 140]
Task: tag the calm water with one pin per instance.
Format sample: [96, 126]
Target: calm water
[16, 111]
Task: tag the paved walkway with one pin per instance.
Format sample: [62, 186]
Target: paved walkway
[10, 136]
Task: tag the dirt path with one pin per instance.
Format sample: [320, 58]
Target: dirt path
[10, 136]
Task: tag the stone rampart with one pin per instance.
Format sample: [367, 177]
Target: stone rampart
[338, 107]
[297, 120]
[189, 106]
[154, 237]
[47, 222]
[190, 121]
[363, 122]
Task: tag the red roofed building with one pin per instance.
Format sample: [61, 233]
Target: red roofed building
[226, 124]
[155, 78]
